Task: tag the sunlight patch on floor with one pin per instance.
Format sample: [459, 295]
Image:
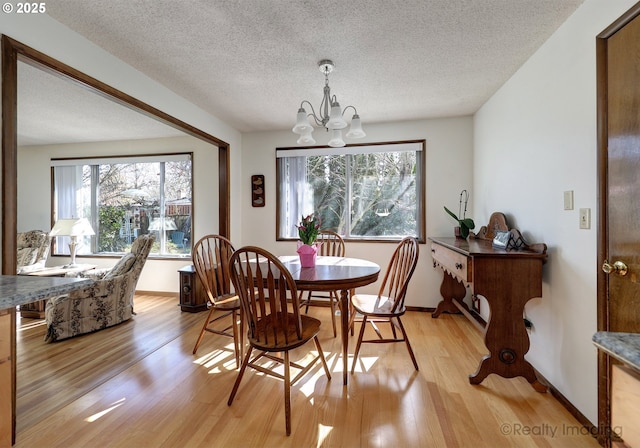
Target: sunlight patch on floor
[27, 324]
[365, 363]
[308, 383]
[218, 360]
[97, 415]
[323, 432]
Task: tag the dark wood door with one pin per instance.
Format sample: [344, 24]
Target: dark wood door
[623, 144]
[619, 191]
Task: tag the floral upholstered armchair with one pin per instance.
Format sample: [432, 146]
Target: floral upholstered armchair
[106, 302]
[33, 250]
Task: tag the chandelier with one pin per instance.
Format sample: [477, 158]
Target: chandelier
[330, 115]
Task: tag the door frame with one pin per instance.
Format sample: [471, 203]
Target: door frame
[604, 363]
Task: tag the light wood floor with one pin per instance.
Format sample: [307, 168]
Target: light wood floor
[50, 376]
[166, 397]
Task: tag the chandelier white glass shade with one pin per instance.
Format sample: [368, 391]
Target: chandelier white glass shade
[330, 116]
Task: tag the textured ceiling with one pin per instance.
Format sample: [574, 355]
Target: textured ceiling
[251, 62]
[59, 111]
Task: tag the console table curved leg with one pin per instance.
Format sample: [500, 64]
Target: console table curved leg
[450, 289]
[517, 367]
[507, 340]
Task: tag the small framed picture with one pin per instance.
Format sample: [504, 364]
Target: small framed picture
[501, 239]
[257, 190]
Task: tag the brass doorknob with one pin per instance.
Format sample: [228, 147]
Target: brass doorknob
[619, 267]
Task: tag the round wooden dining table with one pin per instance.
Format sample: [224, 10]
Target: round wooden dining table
[334, 274]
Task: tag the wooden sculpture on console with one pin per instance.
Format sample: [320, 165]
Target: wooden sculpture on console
[498, 223]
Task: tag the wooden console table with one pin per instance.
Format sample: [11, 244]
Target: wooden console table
[507, 278]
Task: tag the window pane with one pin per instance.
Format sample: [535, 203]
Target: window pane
[368, 192]
[128, 199]
[125, 200]
[384, 194]
[327, 181]
[177, 193]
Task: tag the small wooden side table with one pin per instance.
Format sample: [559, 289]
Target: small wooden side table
[193, 298]
[35, 310]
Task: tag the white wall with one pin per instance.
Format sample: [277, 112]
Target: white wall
[50, 37]
[535, 139]
[34, 208]
[448, 171]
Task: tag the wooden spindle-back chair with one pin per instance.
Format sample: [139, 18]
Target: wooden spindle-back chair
[272, 314]
[388, 305]
[210, 256]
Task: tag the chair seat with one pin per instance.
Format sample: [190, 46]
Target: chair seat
[278, 340]
[374, 305]
[230, 302]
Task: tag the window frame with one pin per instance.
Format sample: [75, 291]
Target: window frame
[105, 159]
[421, 204]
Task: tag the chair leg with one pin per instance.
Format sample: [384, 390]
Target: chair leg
[306, 310]
[393, 329]
[357, 351]
[376, 329]
[406, 340]
[245, 363]
[316, 341]
[352, 310]
[241, 334]
[352, 317]
[287, 392]
[236, 339]
[203, 331]
[333, 299]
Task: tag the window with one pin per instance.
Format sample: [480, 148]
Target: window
[367, 192]
[125, 197]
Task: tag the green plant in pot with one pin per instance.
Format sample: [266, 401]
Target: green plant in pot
[465, 224]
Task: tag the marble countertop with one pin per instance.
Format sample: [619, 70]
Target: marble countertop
[623, 346]
[20, 289]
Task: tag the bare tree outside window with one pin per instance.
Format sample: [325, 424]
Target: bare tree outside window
[126, 199]
[368, 192]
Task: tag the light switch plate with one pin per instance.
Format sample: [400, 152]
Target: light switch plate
[568, 200]
[585, 218]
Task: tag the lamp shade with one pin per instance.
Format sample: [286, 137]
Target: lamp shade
[336, 140]
[355, 131]
[336, 120]
[163, 224]
[302, 123]
[72, 227]
[306, 139]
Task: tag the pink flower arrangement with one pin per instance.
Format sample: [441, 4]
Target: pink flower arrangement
[308, 229]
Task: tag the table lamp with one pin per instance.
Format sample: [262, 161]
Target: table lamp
[73, 228]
